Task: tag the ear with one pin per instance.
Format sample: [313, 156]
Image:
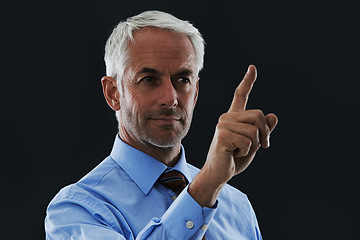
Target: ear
[197, 91]
[111, 92]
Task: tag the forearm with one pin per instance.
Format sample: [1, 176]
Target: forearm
[204, 191]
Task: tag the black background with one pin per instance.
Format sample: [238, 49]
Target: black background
[57, 125]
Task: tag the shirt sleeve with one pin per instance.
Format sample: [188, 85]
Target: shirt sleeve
[184, 219]
[82, 216]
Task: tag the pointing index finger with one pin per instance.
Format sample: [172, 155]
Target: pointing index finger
[243, 90]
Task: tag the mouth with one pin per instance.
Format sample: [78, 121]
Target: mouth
[166, 120]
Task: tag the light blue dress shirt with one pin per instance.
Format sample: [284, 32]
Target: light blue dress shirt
[121, 199]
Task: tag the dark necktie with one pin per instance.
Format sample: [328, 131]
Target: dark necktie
[173, 180]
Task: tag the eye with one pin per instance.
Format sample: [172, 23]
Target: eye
[148, 79]
[184, 80]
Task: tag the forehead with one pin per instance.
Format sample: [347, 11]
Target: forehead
[161, 48]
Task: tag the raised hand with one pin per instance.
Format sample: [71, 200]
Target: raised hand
[239, 134]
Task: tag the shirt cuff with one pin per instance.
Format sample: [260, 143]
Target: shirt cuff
[185, 217]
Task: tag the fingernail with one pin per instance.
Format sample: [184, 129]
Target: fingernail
[248, 70]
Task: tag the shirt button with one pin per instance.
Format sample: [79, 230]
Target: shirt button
[173, 197]
[189, 224]
[204, 227]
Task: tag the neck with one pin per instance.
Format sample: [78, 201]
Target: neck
[167, 155]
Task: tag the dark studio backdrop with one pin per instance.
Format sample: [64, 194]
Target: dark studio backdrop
[57, 125]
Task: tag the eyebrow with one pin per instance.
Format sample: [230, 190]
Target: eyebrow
[147, 70]
[182, 72]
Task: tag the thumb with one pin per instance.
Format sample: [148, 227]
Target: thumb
[271, 120]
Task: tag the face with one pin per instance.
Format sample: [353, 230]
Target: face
[160, 87]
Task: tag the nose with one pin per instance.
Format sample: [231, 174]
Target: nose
[167, 95]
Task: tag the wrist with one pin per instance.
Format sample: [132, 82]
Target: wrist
[203, 190]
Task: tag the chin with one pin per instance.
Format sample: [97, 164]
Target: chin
[164, 142]
[165, 137]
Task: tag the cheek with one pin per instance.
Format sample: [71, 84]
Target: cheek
[133, 107]
[191, 100]
[188, 107]
[127, 106]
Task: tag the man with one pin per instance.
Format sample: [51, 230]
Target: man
[153, 60]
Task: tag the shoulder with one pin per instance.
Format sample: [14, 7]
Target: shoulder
[85, 189]
[95, 176]
[87, 198]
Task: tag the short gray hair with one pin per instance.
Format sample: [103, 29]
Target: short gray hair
[116, 48]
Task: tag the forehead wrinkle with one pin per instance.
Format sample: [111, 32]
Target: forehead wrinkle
[157, 49]
[149, 64]
[175, 53]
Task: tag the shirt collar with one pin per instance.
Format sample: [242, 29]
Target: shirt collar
[143, 169]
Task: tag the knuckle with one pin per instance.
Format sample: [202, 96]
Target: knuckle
[222, 134]
[228, 117]
[223, 117]
[239, 92]
[258, 113]
[221, 125]
[267, 129]
[241, 153]
[245, 147]
[246, 142]
[254, 131]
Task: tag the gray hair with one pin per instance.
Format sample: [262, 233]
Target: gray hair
[116, 52]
